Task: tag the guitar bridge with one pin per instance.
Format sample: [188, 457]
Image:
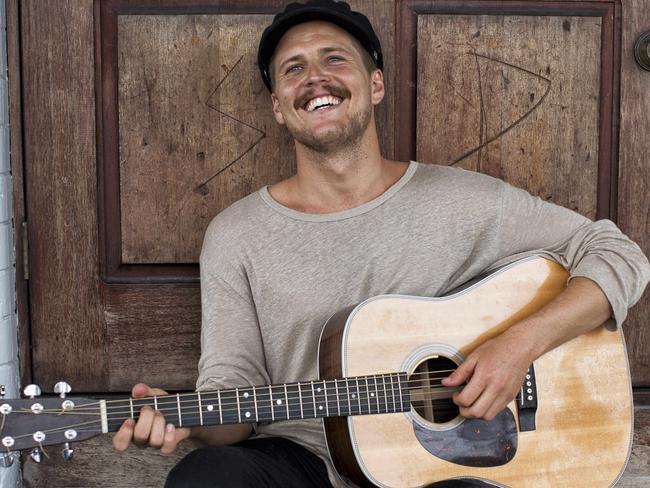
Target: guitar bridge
[527, 402]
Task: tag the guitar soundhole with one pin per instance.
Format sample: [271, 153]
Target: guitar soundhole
[428, 396]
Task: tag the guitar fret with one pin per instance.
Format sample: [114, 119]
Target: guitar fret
[356, 380]
[302, 415]
[200, 409]
[399, 386]
[271, 401]
[155, 403]
[368, 395]
[347, 390]
[286, 400]
[338, 400]
[383, 380]
[131, 404]
[327, 407]
[178, 407]
[374, 377]
[238, 407]
[255, 403]
[220, 410]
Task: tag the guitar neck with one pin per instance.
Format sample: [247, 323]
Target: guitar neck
[362, 395]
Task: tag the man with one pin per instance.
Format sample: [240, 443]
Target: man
[350, 225]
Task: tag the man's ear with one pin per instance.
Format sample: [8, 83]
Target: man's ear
[377, 86]
[276, 109]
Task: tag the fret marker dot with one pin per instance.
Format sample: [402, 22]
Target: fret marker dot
[248, 414]
[210, 408]
[372, 394]
[318, 390]
[353, 395]
[246, 395]
[279, 402]
[320, 407]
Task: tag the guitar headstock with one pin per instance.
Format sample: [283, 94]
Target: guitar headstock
[42, 421]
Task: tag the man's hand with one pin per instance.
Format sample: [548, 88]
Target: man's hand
[150, 429]
[494, 373]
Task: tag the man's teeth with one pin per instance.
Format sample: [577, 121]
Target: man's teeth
[318, 102]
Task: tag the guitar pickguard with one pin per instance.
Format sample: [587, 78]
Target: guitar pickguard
[473, 442]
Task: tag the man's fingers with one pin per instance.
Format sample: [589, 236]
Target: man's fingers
[157, 430]
[142, 390]
[470, 392]
[170, 439]
[143, 427]
[122, 438]
[461, 374]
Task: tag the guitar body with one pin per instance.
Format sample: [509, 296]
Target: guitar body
[583, 420]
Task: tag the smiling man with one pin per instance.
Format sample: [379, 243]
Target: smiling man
[350, 225]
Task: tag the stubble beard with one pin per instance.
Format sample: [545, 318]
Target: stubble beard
[340, 138]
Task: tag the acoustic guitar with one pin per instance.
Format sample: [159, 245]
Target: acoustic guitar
[388, 420]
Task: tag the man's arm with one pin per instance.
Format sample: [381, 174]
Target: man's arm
[495, 370]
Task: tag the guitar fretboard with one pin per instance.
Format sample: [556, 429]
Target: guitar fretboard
[362, 395]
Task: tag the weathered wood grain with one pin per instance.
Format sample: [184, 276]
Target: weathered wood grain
[18, 177]
[153, 335]
[513, 96]
[634, 175]
[68, 339]
[196, 129]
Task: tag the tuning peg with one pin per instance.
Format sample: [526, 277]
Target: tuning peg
[62, 388]
[7, 460]
[68, 452]
[35, 454]
[32, 391]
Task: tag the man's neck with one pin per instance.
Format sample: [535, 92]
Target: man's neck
[337, 180]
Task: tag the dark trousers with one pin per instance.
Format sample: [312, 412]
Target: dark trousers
[268, 462]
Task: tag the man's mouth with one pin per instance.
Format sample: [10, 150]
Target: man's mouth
[318, 103]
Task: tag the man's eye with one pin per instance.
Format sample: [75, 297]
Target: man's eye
[335, 58]
[294, 68]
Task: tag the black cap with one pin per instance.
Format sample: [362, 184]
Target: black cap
[338, 13]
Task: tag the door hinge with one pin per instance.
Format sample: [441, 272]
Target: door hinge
[25, 251]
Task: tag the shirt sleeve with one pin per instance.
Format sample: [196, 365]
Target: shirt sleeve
[595, 250]
[232, 351]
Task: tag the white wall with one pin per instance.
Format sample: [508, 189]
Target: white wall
[9, 478]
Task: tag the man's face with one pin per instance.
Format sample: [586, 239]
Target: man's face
[322, 90]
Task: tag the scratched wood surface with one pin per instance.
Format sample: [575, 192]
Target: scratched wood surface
[59, 150]
[515, 97]
[196, 129]
[97, 465]
[634, 184]
[195, 126]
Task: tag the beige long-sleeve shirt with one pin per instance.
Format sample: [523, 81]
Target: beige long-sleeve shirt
[272, 276]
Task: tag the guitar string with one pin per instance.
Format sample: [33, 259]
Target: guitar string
[387, 376]
[294, 411]
[340, 383]
[261, 396]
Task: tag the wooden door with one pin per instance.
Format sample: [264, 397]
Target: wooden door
[141, 119]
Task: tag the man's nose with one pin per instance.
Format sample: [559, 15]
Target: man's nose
[316, 73]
